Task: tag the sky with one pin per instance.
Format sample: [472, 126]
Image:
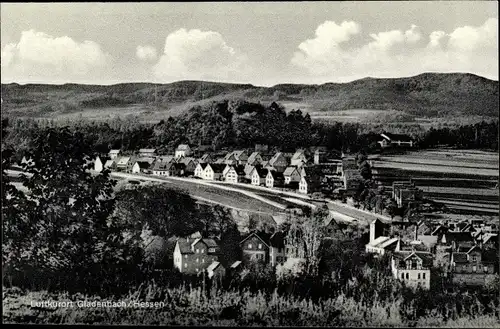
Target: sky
[262, 43]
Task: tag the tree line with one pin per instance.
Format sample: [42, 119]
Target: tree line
[231, 124]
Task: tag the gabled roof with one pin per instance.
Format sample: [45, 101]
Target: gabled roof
[187, 160]
[240, 170]
[109, 163]
[213, 266]
[275, 158]
[238, 154]
[236, 264]
[378, 241]
[474, 248]
[143, 164]
[114, 151]
[183, 147]
[217, 167]
[203, 165]
[396, 137]
[276, 174]
[458, 237]
[123, 161]
[147, 150]
[149, 160]
[298, 155]
[261, 236]
[277, 240]
[489, 236]
[426, 257]
[185, 246]
[205, 156]
[253, 157]
[289, 171]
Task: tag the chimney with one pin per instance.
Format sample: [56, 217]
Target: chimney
[416, 230]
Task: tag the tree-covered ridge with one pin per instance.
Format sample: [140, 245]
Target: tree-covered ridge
[241, 124]
[425, 95]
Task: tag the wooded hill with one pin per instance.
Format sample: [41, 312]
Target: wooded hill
[424, 95]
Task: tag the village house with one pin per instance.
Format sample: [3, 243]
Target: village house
[147, 153]
[274, 179]
[473, 266]
[457, 240]
[278, 162]
[310, 184]
[194, 256]
[254, 159]
[200, 168]
[379, 242]
[110, 164]
[236, 158]
[398, 140]
[113, 154]
[412, 267]
[298, 158]
[190, 165]
[216, 271]
[160, 165]
[258, 176]
[183, 150]
[123, 163]
[213, 171]
[143, 165]
[99, 163]
[263, 247]
[291, 174]
[235, 174]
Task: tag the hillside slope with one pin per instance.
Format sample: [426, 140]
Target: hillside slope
[425, 95]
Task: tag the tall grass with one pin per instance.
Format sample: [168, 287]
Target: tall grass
[186, 305]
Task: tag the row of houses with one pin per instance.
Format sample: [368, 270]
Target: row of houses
[292, 171]
[468, 254]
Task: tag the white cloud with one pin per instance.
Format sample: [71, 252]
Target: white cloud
[146, 53]
[197, 54]
[399, 53]
[44, 58]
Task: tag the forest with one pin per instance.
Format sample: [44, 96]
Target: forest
[241, 124]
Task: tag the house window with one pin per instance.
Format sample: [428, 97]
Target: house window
[185, 256]
[197, 251]
[423, 276]
[419, 276]
[202, 251]
[249, 246]
[197, 260]
[211, 250]
[203, 260]
[407, 276]
[485, 269]
[260, 245]
[185, 265]
[474, 258]
[402, 275]
[474, 269]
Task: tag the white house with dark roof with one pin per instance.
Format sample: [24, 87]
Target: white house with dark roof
[200, 168]
[123, 163]
[183, 150]
[194, 256]
[213, 171]
[291, 174]
[235, 174]
[258, 176]
[99, 163]
[389, 139]
[216, 271]
[412, 267]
